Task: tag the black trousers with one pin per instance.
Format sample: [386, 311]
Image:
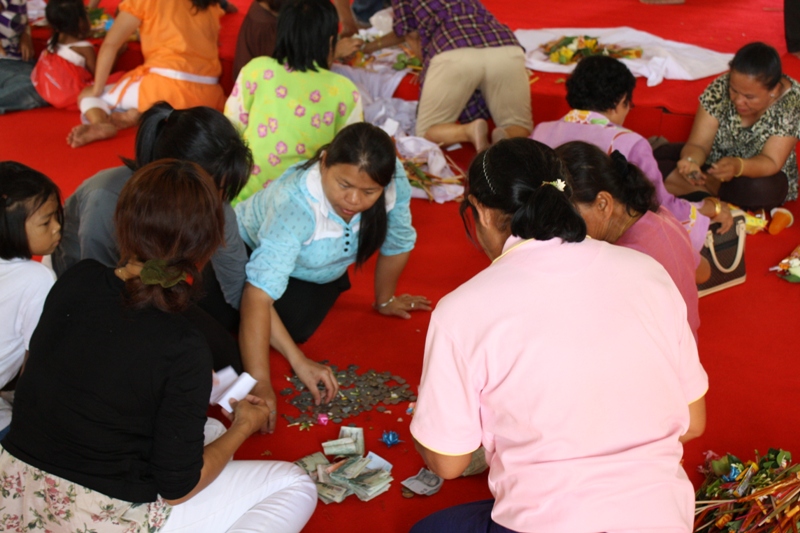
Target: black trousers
[218, 321]
[791, 24]
[305, 305]
[747, 193]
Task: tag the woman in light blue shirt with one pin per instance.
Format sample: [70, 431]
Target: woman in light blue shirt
[305, 229]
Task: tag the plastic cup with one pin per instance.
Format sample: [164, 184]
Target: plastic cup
[781, 218]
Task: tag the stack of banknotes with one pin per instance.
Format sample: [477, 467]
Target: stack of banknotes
[351, 472]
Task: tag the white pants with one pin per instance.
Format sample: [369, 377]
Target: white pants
[248, 497]
[108, 101]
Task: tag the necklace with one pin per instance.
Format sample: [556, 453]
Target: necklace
[627, 226]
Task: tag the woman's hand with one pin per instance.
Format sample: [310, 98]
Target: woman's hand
[265, 395]
[727, 168]
[691, 172]
[311, 374]
[346, 47]
[725, 218]
[401, 305]
[252, 413]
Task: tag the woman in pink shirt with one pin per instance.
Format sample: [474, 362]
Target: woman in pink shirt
[619, 206]
[569, 359]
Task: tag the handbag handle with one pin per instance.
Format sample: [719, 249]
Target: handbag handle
[740, 231]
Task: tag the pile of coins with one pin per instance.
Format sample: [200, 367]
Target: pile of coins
[357, 393]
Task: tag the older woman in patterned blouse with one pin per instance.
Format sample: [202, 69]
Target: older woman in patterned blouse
[741, 148]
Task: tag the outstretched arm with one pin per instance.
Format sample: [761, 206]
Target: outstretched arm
[261, 327]
[387, 273]
[124, 26]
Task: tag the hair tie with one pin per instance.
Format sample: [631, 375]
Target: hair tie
[558, 184]
[157, 272]
[486, 173]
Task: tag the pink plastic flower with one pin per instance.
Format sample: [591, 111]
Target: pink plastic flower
[268, 74]
[281, 147]
[280, 92]
[262, 130]
[316, 121]
[300, 111]
[274, 160]
[342, 109]
[315, 97]
[273, 124]
[300, 148]
[327, 118]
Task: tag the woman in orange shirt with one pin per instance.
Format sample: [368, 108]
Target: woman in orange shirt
[181, 65]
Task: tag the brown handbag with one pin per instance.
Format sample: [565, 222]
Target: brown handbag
[725, 254]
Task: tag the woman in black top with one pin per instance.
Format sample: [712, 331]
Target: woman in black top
[110, 411]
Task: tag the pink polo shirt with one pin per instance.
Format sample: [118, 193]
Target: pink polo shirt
[661, 237]
[574, 365]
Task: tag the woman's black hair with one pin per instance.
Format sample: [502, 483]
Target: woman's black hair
[202, 5]
[591, 170]
[599, 83]
[371, 150]
[760, 61]
[23, 190]
[68, 17]
[201, 135]
[307, 32]
[516, 176]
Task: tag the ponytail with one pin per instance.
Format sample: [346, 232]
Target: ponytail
[548, 213]
[201, 135]
[525, 180]
[591, 170]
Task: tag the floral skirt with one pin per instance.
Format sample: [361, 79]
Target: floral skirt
[33, 500]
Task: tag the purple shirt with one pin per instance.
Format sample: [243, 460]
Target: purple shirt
[596, 129]
[448, 25]
[661, 237]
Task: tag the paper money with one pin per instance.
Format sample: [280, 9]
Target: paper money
[357, 434]
[330, 493]
[323, 476]
[370, 483]
[477, 464]
[376, 461]
[309, 463]
[341, 446]
[425, 483]
[352, 468]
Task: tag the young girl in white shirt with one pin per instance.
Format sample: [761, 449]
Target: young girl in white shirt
[30, 224]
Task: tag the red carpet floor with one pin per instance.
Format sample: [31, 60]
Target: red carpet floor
[748, 337]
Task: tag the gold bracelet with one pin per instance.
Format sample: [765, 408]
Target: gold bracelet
[741, 169]
[717, 206]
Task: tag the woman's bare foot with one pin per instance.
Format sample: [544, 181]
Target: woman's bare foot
[89, 133]
[478, 133]
[125, 119]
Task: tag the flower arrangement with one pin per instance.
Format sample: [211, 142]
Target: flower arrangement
[761, 496]
[571, 49]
